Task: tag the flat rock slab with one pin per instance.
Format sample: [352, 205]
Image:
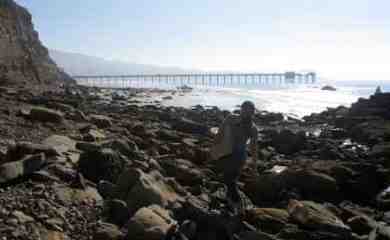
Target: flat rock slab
[71, 195]
[60, 143]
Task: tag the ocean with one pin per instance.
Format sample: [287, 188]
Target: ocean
[294, 100]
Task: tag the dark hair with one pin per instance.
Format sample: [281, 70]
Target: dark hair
[249, 104]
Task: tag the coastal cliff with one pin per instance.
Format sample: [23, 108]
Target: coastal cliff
[23, 58]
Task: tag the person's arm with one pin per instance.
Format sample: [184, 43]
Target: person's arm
[254, 147]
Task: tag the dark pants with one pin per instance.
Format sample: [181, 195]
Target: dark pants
[232, 169]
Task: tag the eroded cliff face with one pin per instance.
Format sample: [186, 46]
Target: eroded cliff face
[23, 59]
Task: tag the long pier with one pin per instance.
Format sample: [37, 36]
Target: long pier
[195, 79]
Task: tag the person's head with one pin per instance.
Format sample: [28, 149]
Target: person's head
[247, 111]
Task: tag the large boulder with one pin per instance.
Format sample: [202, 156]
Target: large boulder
[101, 164]
[13, 170]
[141, 189]
[150, 223]
[286, 141]
[275, 186]
[46, 115]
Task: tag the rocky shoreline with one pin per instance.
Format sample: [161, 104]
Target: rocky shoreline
[91, 164]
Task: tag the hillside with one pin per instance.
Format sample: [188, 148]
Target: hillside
[23, 58]
[79, 64]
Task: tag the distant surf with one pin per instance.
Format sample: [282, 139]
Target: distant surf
[296, 101]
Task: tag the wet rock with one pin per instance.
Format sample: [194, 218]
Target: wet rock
[314, 216]
[149, 223]
[188, 228]
[106, 231]
[116, 212]
[103, 164]
[270, 220]
[13, 170]
[101, 121]
[140, 189]
[46, 115]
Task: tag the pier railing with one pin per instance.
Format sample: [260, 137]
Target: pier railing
[197, 79]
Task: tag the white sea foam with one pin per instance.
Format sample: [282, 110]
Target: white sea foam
[295, 101]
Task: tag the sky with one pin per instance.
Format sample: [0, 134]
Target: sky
[338, 39]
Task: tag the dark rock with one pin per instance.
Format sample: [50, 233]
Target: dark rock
[359, 225]
[328, 88]
[106, 189]
[46, 115]
[103, 164]
[116, 212]
[188, 126]
[286, 141]
[101, 121]
[88, 147]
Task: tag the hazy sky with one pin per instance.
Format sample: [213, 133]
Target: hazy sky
[340, 39]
